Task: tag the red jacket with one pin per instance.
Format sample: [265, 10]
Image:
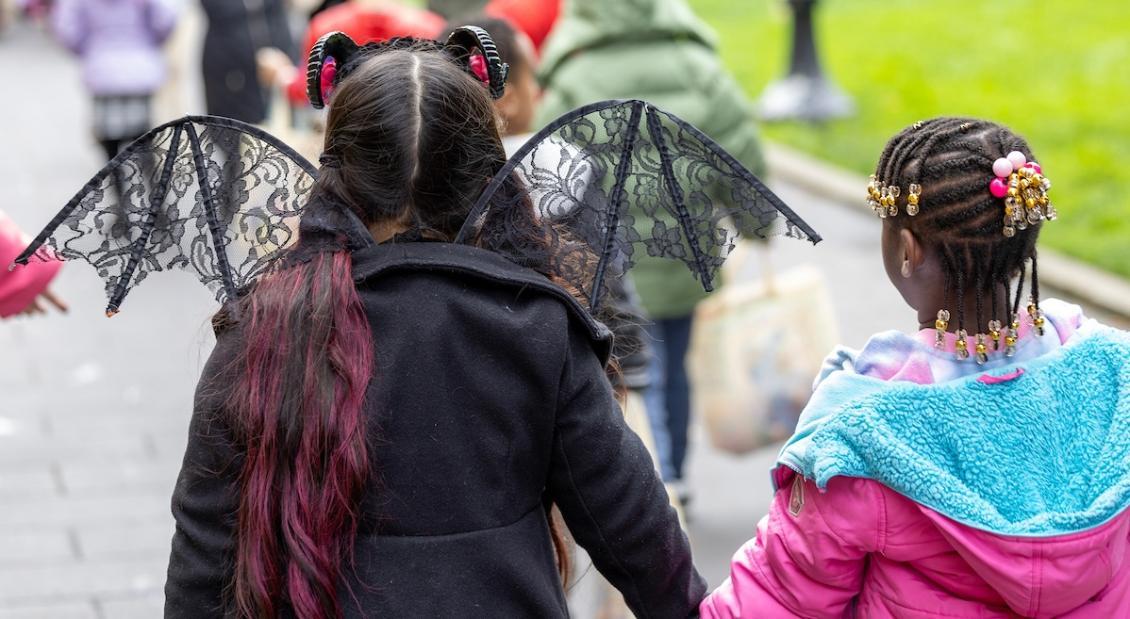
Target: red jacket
[534, 17]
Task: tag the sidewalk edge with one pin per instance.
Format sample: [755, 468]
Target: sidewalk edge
[1088, 283]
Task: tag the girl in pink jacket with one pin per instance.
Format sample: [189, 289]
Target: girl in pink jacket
[979, 467]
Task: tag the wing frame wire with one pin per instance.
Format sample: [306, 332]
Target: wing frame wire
[612, 221]
[215, 230]
[138, 246]
[656, 130]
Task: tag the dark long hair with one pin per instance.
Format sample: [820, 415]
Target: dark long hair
[411, 140]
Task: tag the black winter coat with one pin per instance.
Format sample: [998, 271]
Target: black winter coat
[489, 400]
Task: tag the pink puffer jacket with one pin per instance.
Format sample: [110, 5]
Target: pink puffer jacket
[1028, 455]
[862, 550]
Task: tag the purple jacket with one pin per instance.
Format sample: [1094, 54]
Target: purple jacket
[119, 42]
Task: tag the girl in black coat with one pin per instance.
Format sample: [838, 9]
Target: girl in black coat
[382, 433]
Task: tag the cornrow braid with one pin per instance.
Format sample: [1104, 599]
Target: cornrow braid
[952, 160]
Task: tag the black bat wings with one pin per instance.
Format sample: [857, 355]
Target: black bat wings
[212, 196]
[612, 179]
[227, 202]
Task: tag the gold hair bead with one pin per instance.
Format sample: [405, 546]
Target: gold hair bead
[981, 349]
[1037, 317]
[961, 346]
[940, 326]
[995, 333]
[912, 199]
[1010, 337]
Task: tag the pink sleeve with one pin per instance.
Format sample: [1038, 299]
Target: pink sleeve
[809, 554]
[21, 285]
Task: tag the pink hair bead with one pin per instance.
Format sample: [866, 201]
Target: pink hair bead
[1035, 166]
[998, 188]
[1018, 159]
[1002, 167]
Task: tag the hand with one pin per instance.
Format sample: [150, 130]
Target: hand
[38, 303]
[275, 67]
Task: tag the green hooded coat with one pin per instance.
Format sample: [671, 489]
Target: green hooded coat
[658, 51]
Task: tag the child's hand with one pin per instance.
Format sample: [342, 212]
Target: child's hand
[275, 67]
[38, 303]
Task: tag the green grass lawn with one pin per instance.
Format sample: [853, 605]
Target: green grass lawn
[1056, 72]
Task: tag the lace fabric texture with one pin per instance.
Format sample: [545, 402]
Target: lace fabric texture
[207, 195]
[580, 202]
[614, 179]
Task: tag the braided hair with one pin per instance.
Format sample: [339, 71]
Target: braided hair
[952, 160]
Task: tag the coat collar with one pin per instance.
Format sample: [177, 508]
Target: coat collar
[377, 260]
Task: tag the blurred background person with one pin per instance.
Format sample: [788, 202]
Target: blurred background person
[518, 104]
[237, 29]
[659, 51]
[119, 43]
[535, 18]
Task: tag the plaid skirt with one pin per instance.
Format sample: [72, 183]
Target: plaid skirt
[121, 117]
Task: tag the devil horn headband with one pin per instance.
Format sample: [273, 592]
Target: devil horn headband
[469, 47]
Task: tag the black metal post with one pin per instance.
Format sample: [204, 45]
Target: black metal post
[805, 93]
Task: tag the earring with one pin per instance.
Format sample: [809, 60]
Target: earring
[906, 268]
[940, 326]
[1010, 337]
[981, 349]
[995, 333]
[961, 346]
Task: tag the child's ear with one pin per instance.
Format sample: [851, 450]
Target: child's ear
[911, 249]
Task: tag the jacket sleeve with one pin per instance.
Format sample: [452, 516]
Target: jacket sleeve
[615, 506]
[20, 286]
[160, 19]
[69, 24]
[731, 121]
[809, 556]
[205, 501]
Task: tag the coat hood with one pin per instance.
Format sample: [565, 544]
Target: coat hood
[587, 24]
[1024, 469]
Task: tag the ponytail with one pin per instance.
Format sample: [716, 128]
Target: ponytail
[297, 410]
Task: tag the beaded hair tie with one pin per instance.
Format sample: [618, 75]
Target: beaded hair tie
[1025, 191]
[1020, 182]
